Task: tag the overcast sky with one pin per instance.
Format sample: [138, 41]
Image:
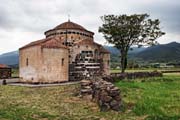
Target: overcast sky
[23, 21]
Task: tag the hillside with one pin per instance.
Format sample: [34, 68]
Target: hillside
[115, 51]
[10, 58]
[161, 53]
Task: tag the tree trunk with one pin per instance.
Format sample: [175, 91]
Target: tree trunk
[123, 61]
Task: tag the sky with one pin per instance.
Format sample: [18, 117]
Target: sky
[24, 21]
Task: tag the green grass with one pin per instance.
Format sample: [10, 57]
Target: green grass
[15, 73]
[51, 103]
[152, 98]
[145, 70]
[156, 98]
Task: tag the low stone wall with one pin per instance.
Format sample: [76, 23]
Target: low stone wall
[170, 71]
[120, 76]
[5, 73]
[104, 93]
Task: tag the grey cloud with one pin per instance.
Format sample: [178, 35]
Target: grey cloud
[166, 11]
[41, 15]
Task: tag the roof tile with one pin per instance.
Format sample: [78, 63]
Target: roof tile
[46, 43]
[3, 66]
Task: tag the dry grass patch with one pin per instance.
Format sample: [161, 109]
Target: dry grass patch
[51, 103]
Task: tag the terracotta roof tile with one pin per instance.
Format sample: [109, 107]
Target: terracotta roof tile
[3, 66]
[33, 43]
[53, 43]
[47, 43]
[69, 25]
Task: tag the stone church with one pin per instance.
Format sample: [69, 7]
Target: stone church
[67, 53]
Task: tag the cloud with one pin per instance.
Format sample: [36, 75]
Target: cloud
[24, 21]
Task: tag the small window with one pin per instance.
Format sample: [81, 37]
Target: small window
[86, 46]
[27, 61]
[108, 62]
[62, 62]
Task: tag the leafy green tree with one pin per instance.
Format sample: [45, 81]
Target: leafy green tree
[123, 31]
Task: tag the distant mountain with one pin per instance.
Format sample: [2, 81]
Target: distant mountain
[112, 50]
[10, 58]
[161, 53]
[115, 51]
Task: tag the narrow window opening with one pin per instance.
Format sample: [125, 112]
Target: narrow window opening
[62, 62]
[108, 62]
[27, 61]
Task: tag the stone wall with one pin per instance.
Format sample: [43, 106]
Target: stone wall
[29, 63]
[104, 93]
[87, 59]
[106, 63]
[43, 65]
[70, 34]
[5, 73]
[55, 65]
[130, 76]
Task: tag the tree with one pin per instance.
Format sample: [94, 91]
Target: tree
[124, 31]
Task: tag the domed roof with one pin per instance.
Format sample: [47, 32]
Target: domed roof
[69, 25]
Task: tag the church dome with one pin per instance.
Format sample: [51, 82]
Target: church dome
[69, 28]
[69, 25]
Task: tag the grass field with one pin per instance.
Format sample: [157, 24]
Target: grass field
[15, 73]
[50, 103]
[144, 70]
[158, 98]
[153, 98]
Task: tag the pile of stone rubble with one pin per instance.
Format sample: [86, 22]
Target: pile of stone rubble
[102, 92]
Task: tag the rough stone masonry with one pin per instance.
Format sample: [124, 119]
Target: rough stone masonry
[104, 93]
